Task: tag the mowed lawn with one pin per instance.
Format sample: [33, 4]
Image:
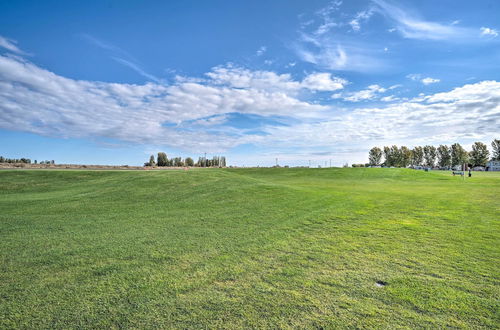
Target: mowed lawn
[249, 248]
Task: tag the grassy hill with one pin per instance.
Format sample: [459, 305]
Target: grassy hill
[249, 248]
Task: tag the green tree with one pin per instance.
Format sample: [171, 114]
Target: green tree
[459, 155]
[178, 162]
[162, 159]
[388, 156]
[479, 154]
[152, 160]
[496, 149]
[417, 156]
[189, 161]
[444, 156]
[396, 156]
[430, 155]
[375, 156]
[405, 156]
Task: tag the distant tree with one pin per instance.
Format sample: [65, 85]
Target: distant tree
[152, 161]
[417, 154]
[178, 162]
[375, 156]
[189, 161]
[444, 156]
[162, 159]
[405, 156]
[479, 154]
[198, 163]
[223, 161]
[459, 155]
[430, 155]
[496, 149]
[388, 160]
[396, 155]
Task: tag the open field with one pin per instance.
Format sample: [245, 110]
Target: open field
[249, 248]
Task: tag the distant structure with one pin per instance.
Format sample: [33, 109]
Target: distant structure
[493, 165]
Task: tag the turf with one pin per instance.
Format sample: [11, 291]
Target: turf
[249, 248]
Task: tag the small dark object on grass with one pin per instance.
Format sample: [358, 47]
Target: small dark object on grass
[380, 284]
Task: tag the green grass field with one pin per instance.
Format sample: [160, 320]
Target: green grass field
[241, 248]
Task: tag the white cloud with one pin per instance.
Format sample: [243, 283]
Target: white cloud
[364, 15]
[337, 54]
[338, 51]
[261, 51]
[470, 112]
[323, 82]
[428, 81]
[238, 77]
[325, 14]
[10, 45]
[489, 32]
[370, 93]
[425, 81]
[414, 76]
[412, 26]
[389, 98]
[35, 100]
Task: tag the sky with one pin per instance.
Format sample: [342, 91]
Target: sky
[305, 82]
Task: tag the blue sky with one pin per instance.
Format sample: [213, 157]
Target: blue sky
[112, 82]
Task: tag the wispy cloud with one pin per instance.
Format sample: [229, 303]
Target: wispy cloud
[370, 93]
[137, 69]
[425, 81]
[414, 27]
[120, 56]
[485, 31]
[11, 45]
[328, 45]
[364, 15]
[429, 80]
[261, 51]
[340, 54]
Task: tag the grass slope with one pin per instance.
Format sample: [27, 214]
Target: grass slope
[249, 248]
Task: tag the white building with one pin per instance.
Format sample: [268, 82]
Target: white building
[493, 165]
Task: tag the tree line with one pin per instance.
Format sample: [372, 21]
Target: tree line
[163, 160]
[24, 161]
[429, 156]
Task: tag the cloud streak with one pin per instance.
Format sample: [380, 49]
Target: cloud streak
[414, 27]
[120, 56]
[11, 46]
